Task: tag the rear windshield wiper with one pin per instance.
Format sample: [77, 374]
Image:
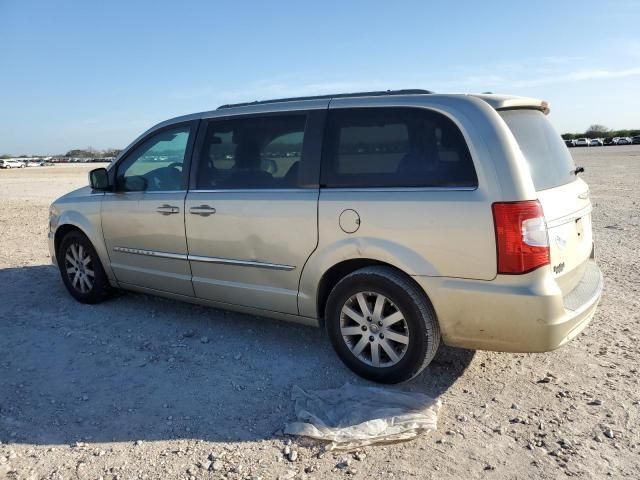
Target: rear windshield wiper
[577, 170]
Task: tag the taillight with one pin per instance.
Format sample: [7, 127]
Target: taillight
[521, 236]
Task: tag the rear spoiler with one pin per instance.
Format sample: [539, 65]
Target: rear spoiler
[506, 102]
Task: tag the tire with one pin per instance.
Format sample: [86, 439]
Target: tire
[85, 280]
[395, 360]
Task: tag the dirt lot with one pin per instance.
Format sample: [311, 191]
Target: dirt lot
[130, 388]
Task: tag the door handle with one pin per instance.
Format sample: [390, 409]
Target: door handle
[167, 209]
[202, 210]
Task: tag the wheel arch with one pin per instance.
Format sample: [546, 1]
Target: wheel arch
[63, 230]
[337, 272]
[329, 263]
[91, 227]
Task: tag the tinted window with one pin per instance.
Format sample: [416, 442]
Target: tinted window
[155, 165]
[256, 152]
[395, 147]
[550, 163]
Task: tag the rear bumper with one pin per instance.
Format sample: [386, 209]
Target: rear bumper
[519, 313]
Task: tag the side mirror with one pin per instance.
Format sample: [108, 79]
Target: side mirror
[99, 179]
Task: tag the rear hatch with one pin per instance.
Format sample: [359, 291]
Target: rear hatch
[564, 196]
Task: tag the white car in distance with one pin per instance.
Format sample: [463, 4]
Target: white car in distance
[9, 163]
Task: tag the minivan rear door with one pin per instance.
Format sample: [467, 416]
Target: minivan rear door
[564, 196]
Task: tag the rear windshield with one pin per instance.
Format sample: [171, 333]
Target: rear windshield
[549, 159]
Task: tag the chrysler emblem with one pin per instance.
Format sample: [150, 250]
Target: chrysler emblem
[561, 242]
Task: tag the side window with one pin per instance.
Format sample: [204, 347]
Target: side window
[155, 165]
[254, 152]
[394, 147]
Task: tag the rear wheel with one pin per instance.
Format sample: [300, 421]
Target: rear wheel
[382, 325]
[81, 270]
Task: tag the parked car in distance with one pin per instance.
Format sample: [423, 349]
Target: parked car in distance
[624, 141]
[11, 164]
[392, 223]
[582, 142]
[569, 143]
[608, 141]
[635, 140]
[596, 142]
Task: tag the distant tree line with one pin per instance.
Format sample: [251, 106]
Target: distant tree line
[76, 153]
[92, 153]
[600, 131]
[6, 155]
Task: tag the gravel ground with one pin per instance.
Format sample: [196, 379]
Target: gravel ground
[142, 387]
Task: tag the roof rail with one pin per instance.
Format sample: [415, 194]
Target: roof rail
[409, 91]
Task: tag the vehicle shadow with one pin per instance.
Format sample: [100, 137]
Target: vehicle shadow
[145, 368]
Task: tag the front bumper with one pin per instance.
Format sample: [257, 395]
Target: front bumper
[523, 313]
[52, 248]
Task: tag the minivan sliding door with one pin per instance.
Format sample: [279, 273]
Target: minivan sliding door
[251, 212]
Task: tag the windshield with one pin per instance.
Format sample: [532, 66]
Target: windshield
[549, 159]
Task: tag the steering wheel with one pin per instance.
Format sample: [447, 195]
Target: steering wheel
[269, 166]
[165, 178]
[176, 165]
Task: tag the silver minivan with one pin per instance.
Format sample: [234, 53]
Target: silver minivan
[394, 220]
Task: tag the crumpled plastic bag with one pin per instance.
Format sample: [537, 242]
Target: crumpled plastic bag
[354, 416]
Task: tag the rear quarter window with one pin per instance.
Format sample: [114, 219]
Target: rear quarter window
[549, 161]
[394, 147]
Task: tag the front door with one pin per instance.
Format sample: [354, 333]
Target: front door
[251, 214]
[143, 219]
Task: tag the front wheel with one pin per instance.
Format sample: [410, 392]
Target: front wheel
[81, 270]
[382, 325]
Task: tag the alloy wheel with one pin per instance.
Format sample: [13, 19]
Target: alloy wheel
[79, 268]
[374, 329]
